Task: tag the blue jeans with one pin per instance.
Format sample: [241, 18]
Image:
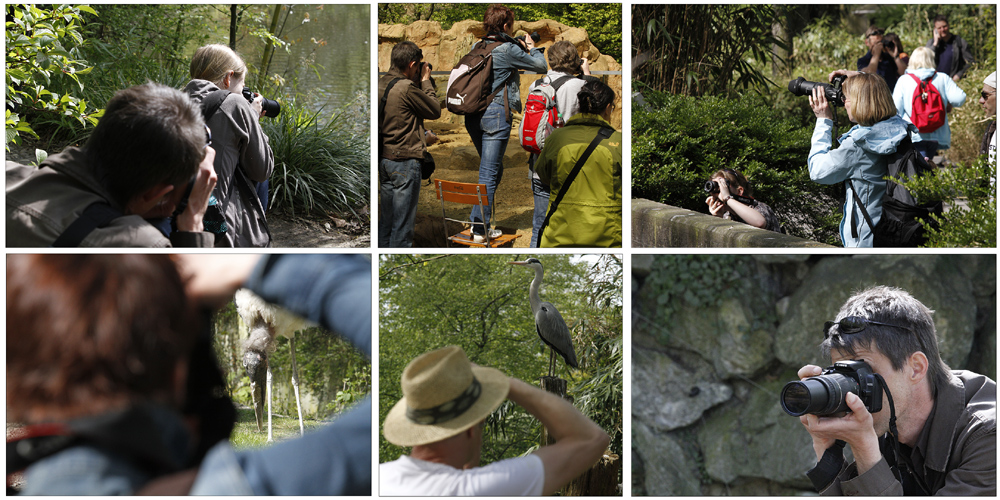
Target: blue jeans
[541, 192]
[490, 132]
[399, 191]
[262, 188]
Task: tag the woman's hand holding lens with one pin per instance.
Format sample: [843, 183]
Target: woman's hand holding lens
[819, 104]
[258, 105]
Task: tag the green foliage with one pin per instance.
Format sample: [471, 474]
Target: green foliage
[969, 191]
[318, 166]
[682, 282]
[602, 21]
[480, 303]
[680, 141]
[703, 49]
[44, 65]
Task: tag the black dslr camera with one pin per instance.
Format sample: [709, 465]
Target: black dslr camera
[800, 86]
[825, 395]
[712, 187]
[271, 108]
[535, 37]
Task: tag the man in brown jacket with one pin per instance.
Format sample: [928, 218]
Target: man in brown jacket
[943, 439]
[409, 101]
[149, 150]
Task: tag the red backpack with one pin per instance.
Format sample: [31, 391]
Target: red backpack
[541, 116]
[927, 111]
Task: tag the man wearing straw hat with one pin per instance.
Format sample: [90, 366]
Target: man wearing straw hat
[446, 400]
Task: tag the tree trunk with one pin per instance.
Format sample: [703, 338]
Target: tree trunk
[232, 26]
[265, 62]
[781, 62]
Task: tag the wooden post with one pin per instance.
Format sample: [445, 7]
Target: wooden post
[556, 386]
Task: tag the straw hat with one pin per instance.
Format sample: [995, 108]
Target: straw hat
[443, 395]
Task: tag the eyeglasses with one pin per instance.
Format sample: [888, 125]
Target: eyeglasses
[208, 137]
[854, 324]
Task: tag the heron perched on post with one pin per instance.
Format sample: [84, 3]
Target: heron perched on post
[265, 321]
[549, 323]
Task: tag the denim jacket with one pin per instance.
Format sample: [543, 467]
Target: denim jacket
[507, 59]
[860, 159]
[950, 94]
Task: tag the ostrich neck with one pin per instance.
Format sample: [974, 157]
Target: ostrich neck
[533, 299]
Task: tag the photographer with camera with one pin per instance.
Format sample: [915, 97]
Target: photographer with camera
[860, 163]
[731, 198]
[111, 368]
[244, 160]
[149, 154]
[915, 427]
[882, 57]
[407, 98]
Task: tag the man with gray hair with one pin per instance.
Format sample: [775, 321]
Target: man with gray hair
[936, 431]
[988, 100]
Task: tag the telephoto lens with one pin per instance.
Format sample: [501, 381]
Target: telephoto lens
[711, 187]
[822, 396]
[271, 108]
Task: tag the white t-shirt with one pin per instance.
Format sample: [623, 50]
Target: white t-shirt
[408, 476]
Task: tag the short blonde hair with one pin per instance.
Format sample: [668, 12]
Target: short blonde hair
[212, 62]
[871, 101]
[922, 58]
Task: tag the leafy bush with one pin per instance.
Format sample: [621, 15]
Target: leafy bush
[317, 166]
[969, 193]
[44, 65]
[680, 141]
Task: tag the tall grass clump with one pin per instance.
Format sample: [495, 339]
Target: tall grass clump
[317, 166]
[679, 141]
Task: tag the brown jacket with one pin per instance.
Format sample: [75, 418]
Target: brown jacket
[956, 453]
[406, 108]
[42, 202]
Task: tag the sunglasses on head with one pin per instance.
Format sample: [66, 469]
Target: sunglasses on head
[853, 324]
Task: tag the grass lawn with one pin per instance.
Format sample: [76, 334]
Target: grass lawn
[245, 434]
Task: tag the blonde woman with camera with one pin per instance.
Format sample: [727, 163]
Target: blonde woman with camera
[243, 157]
[860, 162]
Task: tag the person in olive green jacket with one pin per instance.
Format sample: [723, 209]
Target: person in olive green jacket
[590, 213]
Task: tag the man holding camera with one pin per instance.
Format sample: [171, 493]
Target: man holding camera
[441, 415]
[149, 154]
[407, 99]
[882, 58]
[951, 52]
[935, 433]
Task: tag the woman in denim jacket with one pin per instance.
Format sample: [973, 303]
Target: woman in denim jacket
[490, 129]
[861, 158]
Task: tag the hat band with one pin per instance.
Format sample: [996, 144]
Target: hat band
[448, 410]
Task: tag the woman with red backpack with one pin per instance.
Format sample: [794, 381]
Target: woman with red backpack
[928, 115]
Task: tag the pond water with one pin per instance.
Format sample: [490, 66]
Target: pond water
[342, 59]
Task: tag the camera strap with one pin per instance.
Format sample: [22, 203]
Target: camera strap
[893, 431]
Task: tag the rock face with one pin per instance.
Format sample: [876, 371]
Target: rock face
[715, 338]
[443, 49]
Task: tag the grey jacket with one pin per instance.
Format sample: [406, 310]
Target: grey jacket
[239, 142]
[961, 60]
[42, 202]
[956, 452]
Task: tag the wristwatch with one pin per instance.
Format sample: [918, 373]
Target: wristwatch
[726, 200]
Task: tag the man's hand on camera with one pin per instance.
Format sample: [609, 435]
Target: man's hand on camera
[819, 104]
[191, 218]
[855, 428]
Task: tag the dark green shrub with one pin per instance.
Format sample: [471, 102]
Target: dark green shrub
[680, 141]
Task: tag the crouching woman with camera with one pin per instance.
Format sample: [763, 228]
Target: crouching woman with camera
[731, 197]
[860, 163]
[243, 157]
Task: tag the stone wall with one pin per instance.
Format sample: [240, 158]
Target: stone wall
[443, 49]
[655, 225]
[716, 337]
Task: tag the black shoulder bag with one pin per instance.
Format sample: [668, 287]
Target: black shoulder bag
[602, 134]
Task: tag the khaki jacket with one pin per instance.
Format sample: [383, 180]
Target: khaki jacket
[956, 453]
[406, 108]
[42, 202]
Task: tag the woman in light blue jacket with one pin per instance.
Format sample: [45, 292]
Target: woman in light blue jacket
[922, 66]
[861, 160]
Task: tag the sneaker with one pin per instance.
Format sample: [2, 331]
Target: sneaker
[481, 238]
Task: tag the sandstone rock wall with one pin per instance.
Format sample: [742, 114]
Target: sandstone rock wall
[443, 49]
[715, 338]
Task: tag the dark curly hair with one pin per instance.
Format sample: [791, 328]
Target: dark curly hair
[594, 97]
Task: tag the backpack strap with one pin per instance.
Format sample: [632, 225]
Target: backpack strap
[381, 113]
[602, 134]
[488, 47]
[560, 81]
[864, 212]
[97, 214]
[212, 102]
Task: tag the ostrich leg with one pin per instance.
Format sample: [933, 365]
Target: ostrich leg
[270, 395]
[295, 385]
